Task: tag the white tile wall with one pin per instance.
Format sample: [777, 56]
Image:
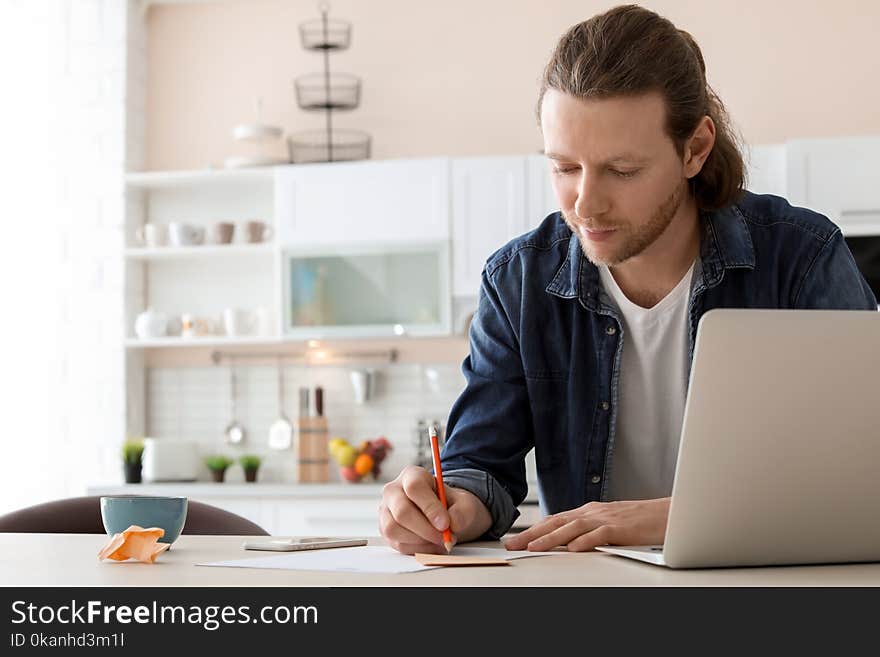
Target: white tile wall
[194, 403]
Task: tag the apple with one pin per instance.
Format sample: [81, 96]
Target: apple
[349, 474]
[346, 455]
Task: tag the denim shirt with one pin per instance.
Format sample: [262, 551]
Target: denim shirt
[543, 368]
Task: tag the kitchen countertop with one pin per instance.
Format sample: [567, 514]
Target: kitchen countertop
[197, 489]
[71, 560]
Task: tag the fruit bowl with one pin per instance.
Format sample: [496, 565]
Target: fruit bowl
[361, 462]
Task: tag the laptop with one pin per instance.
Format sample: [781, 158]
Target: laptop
[779, 456]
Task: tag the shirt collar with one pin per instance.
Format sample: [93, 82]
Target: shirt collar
[725, 243]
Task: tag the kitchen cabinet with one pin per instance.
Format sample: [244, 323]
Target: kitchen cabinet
[839, 178]
[541, 199]
[199, 279]
[766, 169]
[488, 209]
[386, 290]
[370, 202]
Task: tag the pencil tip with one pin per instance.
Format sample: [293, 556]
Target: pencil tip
[448, 545]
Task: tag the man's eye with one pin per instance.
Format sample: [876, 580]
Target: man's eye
[624, 174]
[564, 170]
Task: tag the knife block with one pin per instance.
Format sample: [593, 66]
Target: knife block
[313, 458]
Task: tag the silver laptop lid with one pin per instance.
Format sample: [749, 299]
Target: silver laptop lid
[779, 461]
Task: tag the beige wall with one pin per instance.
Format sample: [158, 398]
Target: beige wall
[459, 77]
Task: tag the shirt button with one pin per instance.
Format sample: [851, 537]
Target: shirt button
[611, 330]
[596, 479]
[605, 406]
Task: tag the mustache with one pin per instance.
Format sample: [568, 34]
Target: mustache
[589, 225]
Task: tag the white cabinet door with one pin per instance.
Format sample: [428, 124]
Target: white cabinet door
[336, 517]
[363, 202]
[766, 169]
[488, 210]
[541, 197]
[839, 178]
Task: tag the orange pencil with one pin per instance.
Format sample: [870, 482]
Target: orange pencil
[441, 492]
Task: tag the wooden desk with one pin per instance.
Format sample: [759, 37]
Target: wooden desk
[71, 560]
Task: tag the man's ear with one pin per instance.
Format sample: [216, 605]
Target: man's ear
[698, 147]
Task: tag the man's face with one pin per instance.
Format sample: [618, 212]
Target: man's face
[617, 176]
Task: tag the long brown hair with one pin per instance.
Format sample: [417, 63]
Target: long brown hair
[630, 50]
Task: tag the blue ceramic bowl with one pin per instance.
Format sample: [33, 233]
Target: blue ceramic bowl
[119, 512]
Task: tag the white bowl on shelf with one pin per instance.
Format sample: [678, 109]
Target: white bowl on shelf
[239, 162]
[258, 132]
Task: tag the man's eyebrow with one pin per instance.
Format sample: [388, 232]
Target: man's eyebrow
[630, 158]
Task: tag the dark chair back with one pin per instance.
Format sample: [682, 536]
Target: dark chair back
[82, 515]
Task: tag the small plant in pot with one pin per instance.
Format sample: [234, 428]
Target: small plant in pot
[132, 456]
[250, 463]
[217, 464]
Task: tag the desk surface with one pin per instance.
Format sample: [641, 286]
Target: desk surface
[71, 560]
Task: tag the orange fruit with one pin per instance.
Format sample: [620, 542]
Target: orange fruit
[363, 464]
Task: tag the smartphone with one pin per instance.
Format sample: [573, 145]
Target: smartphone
[307, 543]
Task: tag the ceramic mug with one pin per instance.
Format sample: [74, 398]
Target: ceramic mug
[237, 322]
[150, 235]
[223, 232]
[257, 231]
[181, 234]
[263, 321]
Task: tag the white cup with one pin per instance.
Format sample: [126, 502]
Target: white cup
[181, 234]
[237, 322]
[150, 235]
[263, 321]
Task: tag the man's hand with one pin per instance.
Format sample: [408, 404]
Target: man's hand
[641, 522]
[412, 519]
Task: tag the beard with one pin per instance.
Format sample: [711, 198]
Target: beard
[635, 239]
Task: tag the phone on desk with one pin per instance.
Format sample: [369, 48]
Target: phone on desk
[306, 543]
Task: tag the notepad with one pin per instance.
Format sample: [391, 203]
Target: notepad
[366, 559]
[452, 560]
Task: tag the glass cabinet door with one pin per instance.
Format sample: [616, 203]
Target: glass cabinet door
[383, 293]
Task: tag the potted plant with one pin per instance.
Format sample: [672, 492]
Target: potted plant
[250, 463]
[217, 464]
[132, 455]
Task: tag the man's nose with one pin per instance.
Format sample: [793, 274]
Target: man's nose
[591, 200]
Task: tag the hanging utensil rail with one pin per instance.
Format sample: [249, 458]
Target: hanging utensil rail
[390, 355]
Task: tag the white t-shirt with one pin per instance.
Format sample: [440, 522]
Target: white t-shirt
[653, 385]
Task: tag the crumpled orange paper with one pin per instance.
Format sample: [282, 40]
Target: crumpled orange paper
[135, 543]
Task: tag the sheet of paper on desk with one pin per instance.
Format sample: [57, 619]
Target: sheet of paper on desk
[366, 559]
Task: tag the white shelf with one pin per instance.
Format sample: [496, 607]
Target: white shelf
[156, 179]
[204, 251]
[206, 341]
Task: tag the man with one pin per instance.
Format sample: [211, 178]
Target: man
[582, 342]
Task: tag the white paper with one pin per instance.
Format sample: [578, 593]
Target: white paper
[364, 559]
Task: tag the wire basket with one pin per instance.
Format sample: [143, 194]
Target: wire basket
[315, 36]
[313, 146]
[314, 93]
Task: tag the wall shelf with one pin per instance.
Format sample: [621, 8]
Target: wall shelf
[160, 179]
[206, 341]
[203, 251]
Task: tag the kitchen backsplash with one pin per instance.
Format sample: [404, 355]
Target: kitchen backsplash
[194, 403]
